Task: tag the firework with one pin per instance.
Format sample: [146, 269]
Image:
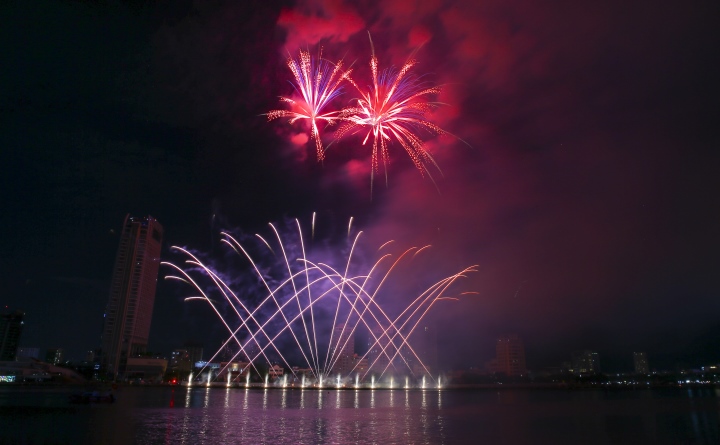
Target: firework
[312, 307]
[317, 81]
[393, 108]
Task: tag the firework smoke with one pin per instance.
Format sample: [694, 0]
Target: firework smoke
[391, 108]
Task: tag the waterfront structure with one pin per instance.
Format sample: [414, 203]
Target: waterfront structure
[359, 365]
[145, 369]
[379, 358]
[346, 351]
[275, 372]
[28, 353]
[28, 370]
[509, 356]
[585, 362]
[180, 362]
[424, 343]
[132, 293]
[54, 356]
[195, 350]
[641, 363]
[233, 371]
[11, 325]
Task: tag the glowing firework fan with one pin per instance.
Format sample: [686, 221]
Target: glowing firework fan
[317, 81]
[393, 108]
[312, 309]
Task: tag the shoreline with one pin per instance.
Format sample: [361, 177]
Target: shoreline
[106, 386]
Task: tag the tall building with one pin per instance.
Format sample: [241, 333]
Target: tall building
[11, 325]
[345, 341]
[641, 363]
[180, 362]
[132, 293]
[195, 350]
[509, 356]
[424, 343]
[28, 353]
[585, 362]
[381, 349]
[54, 356]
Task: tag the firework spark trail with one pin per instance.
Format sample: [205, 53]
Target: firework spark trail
[267, 286]
[307, 279]
[261, 327]
[442, 285]
[294, 296]
[305, 309]
[337, 310]
[353, 309]
[318, 81]
[334, 357]
[357, 292]
[271, 341]
[224, 288]
[330, 363]
[313, 353]
[445, 283]
[391, 325]
[194, 283]
[288, 325]
[371, 299]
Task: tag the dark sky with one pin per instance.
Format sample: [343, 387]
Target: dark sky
[587, 192]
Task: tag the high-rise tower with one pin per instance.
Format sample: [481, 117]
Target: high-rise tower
[641, 363]
[509, 356]
[343, 349]
[381, 349]
[132, 293]
[11, 325]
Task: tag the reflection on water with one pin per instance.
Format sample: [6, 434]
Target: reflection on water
[233, 415]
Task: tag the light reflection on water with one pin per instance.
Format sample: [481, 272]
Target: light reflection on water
[214, 415]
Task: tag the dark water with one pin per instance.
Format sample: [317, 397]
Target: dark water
[178, 415]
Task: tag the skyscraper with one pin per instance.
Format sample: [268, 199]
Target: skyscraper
[132, 293]
[54, 356]
[343, 349]
[509, 356]
[379, 358]
[641, 363]
[11, 325]
[424, 343]
[585, 362]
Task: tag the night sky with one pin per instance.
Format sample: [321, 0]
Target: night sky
[586, 191]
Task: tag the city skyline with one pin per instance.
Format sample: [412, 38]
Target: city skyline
[585, 192]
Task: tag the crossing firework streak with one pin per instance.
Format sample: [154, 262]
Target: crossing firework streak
[312, 309]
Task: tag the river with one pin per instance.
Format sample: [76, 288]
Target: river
[180, 415]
